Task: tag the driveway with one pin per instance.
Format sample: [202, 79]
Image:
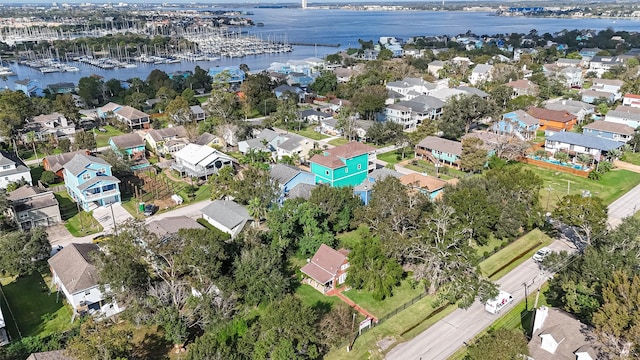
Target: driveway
[444, 338]
[103, 215]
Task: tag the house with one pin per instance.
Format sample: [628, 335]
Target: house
[564, 62]
[612, 86]
[197, 113]
[12, 169]
[518, 123]
[227, 74]
[473, 91]
[428, 185]
[132, 147]
[632, 100]
[266, 141]
[574, 144]
[601, 64]
[293, 146]
[61, 88]
[133, 117]
[571, 77]
[300, 79]
[560, 336]
[75, 275]
[624, 115]
[31, 207]
[170, 226]
[553, 120]
[168, 140]
[522, 87]
[343, 75]
[590, 96]
[345, 165]
[208, 139]
[90, 183]
[411, 113]
[439, 150]
[56, 163]
[287, 177]
[336, 104]
[609, 130]
[589, 52]
[327, 269]
[329, 126]
[50, 355]
[364, 190]
[578, 108]
[29, 87]
[288, 90]
[313, 116]
[54, 124]
[434, 67]
[227, 216]
[481, 73]
[200, 161]
[411, 87]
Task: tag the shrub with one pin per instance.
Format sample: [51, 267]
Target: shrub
[595, 175]
[48, 177]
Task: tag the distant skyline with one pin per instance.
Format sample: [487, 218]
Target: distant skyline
[240, 3]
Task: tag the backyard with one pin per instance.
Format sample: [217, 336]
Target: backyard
[310, 133]
[444, 172]
[395, 156]
[79, 223]
[102, 138]
[338, 141]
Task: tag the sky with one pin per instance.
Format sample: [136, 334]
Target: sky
[231, 2]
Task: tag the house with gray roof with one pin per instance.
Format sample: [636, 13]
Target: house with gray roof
[287, 177]
[609, 130]
[575, 144]
[90, 183]
[413, 112]
[481, 73]
[168, 140]
[12, 169]
[51, 355]
[313, 116]
[473, 91]
[200, 161]
[301, 190]
[75, 275]
[31, 207]
[440, 150]
[265, 141]
[197, 113]
[169, 226]
[293, 146]
[624, 116]
[46, 125]
[578, 108]
[227, 216]
[55, 163]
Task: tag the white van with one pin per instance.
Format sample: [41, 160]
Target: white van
[496, 304]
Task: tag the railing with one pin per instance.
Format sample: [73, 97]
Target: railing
[101, 194]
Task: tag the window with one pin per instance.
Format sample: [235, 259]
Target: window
[101, 171]
[5, 167]
[86, 176]
[346, 170]
[359, 166]
[326, 172]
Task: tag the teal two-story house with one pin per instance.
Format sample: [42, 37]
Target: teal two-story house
[90, 183]
[444, 151]
[132, 147]
[345, 165]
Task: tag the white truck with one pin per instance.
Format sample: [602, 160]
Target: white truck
[496, 304]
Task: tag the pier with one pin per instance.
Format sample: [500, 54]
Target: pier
[308, 44]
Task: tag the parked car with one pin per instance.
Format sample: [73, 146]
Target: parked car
[150, 209]
[541, 254]
[55, 249]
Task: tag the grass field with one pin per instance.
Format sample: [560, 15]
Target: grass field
[83, 224]
[557, 184]
[339, 141]
[310, 133]
[445, 173]
[407, 290]
[37, 311]
[514, 254]
[102, 138]
[391, 157]
[633, 158]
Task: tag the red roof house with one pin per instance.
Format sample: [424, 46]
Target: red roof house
[327, 269]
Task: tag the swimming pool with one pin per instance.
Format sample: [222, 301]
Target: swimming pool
[557, 162]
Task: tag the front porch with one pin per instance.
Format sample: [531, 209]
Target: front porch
[323, 288]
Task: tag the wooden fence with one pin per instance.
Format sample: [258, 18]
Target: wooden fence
[548, 165]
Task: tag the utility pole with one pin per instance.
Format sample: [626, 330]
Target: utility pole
[113, 218]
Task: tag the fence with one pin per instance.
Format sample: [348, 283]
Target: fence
[547, 165]
[55, 189]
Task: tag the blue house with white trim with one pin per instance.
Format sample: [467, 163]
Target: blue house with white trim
[90, 183]
[609, 130]
[518, 123]
[288, 177]
[575, 144]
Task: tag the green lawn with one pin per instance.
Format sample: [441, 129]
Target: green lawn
[315, 298]
[102, 138]
[445, 173]
[394, 157]
[83, 224]
[349, 239]
[310, 133]
[514, 254]
[401, 294]
[68, 208]
[339, 141]
[202, 99]
[611, 186]
[37, 310]
[633, 158]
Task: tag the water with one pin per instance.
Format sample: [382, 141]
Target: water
[344, 27]
[558, 162]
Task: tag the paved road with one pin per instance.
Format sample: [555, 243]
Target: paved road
[444, 338]
[625, 206]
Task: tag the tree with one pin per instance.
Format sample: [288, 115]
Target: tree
[561, 156]
[474, 155]
[90, 90]
[114, 88]
[500, 344]
[178, 110]
[461, 112]
[586, 217]
[100, 340]
[617, 321]
[255, 183]
[370, 269]
[158, 79]
[369, 100]
[339, 205]
[48, 177]
[164, 95]
[64, 145]
[120, 166]
[66, 105]
[385, 133]
[15, 108]
[259, 275]
[84, 140]
[326, 83]
[336, 325]
[20, 249]
[137, 100]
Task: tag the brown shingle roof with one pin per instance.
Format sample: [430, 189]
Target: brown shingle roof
[127, 141]
[324, 265]
[131, 113]
[521, 84]
[171, 225]
[610, 127]
[57, 162]
[74, 267]
[551, 115]
[429, 183]
[440, 144]
[50, 355]
[332, 158]
[176, 131]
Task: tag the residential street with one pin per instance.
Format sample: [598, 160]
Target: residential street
[447, 335]
[625, 206]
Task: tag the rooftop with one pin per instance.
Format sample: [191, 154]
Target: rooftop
[562, 116]
[324, 264]
[332, 158]
[127, 141]
[592, 142]
[74, 267]
[444, 145]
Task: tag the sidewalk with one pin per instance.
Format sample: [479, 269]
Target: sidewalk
[338, 293]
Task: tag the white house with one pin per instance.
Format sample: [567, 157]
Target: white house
[622, 115]
[31, 207]
[167, 141]
[632, 100]
[612, 86]
[580, 144]
[54, 124]
[75, 275]
[227, 216]
[200, 161]
[481, 73]
[294, 146]
[12, 169]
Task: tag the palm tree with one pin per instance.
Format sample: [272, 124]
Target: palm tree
[256, 210]
[563, 157]
[31, 137]
[615, 154]
[541, 153]
[584, 159]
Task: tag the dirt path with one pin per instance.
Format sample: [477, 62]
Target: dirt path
[626, 166]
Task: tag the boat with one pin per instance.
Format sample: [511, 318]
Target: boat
[70, 69]
[260, 24]
[46, 70]
[5, 71]
[130, 66]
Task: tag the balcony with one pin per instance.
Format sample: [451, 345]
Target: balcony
[89, 196]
